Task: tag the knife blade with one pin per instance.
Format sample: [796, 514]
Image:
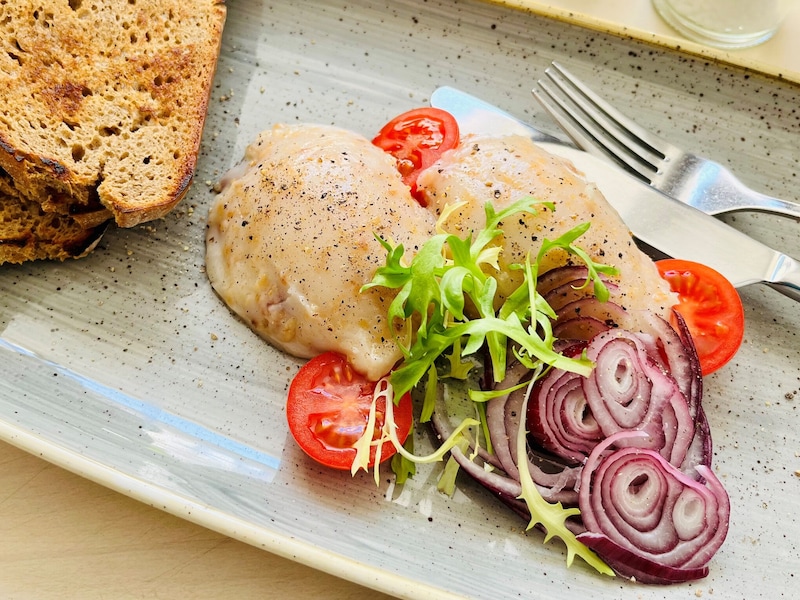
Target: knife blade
[663, 223]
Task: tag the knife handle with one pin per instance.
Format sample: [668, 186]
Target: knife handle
[786, 278]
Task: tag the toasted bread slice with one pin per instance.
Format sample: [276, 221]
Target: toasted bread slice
[27, 232]
[104, 101]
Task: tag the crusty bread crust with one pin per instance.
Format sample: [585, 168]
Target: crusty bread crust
[27, 232]
[104, 102]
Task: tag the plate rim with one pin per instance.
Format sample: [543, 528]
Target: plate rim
[204, 515]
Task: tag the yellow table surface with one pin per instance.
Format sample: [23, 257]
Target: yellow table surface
[66, 537]
[63, 536]
[778, 56]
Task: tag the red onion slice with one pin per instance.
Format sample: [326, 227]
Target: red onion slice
[700, 451]
[619, 388]
[695, 372]
[613, 315]
[634, 566]
[647, 507]
[628, 391]
[554, 278]
[498, 483]
[676, 353]
[556, 481]
[496, 419]
[579, 328]
[559, 417]
[570, 291]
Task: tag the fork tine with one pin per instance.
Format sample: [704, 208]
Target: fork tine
[588, 135]
[657, 144]
[573, 124]
[634, 147]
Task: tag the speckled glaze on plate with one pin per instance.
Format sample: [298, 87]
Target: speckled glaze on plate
[126, 368]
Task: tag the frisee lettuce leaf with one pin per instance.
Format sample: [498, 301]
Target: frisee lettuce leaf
[552, 517]
[447, 481]
[447, 275]
[402, 467]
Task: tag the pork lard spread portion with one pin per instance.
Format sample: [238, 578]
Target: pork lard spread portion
[291, 241]
[291, 237]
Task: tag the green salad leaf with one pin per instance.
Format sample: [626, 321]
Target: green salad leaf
[447, 304]
[448, 274]
[552, 516]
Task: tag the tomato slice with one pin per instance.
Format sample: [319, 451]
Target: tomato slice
[711, 307]
[417, 139]
[328, 408]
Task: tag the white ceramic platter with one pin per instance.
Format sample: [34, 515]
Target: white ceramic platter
[124, 366]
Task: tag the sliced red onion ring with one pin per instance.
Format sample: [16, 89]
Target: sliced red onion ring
[496, 419]
[676, 353]
[613, 315]
[577, 289]
[634, 566]
[554, 278]
[619, 385]
[700, 451]
[556, 481]
[579, 328]
[559, 417]
[673, 350]
[646, 507]
[694, 372]
[627, 390]
[498, 483]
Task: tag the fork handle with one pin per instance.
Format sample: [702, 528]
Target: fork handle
[720, 191]
[764, 203]
[778, 206]
[786, 278]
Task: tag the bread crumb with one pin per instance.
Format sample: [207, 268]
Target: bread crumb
[214, 337]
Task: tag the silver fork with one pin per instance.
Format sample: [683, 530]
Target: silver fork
[598, 128]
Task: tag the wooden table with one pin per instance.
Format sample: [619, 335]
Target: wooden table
[64, 536]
